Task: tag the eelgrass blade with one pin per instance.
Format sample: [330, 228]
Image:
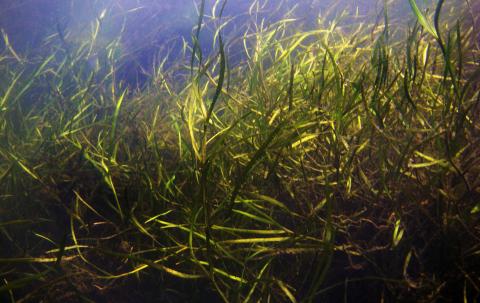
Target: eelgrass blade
[423, 19]
[196, 39]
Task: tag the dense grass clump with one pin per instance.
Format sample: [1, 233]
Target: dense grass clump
[326, 164]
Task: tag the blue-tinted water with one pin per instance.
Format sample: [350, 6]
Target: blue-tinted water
[151, 29]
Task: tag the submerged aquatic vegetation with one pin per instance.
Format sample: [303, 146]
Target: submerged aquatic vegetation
[324, 161]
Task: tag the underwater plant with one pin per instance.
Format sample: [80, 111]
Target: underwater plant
[283, 162]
